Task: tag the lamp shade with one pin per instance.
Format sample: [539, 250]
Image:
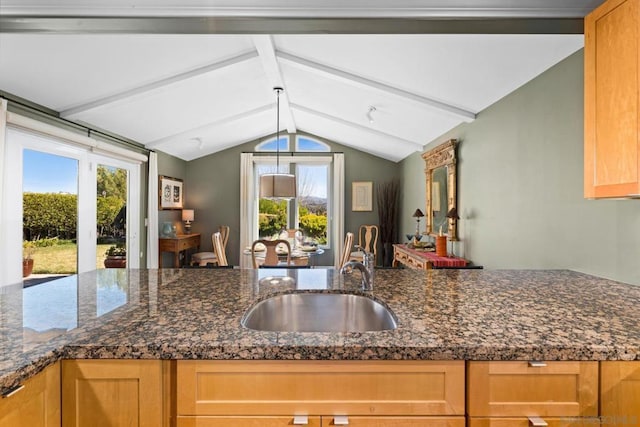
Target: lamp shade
[187, 214]
[453, 213]
[277, 186]
[418, 214]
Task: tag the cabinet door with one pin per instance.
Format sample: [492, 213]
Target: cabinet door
[503, 389]
[112, 393]
[37, 404]
[620, 393]
[611, 148]
[240, 421]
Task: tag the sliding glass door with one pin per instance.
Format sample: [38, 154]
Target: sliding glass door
[98, 179]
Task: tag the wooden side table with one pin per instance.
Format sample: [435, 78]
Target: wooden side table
[421, 260]
[177, 244]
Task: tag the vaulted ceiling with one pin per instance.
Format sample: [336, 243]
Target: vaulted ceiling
[191, 95]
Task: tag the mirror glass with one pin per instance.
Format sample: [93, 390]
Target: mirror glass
[439, 199]
[440, 173]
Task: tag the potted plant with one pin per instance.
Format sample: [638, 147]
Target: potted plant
[116, 257]
[28, 249]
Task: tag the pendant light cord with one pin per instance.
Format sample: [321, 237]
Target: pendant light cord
[278, 90]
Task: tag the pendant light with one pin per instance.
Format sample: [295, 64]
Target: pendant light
[277, 185]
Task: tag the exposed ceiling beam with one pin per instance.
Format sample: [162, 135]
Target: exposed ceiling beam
[267, 53]
[193, 133]
[360, 81]
[247, 25]
[413, 145]
[158, 84]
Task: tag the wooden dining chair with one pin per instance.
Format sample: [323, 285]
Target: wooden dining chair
[204, 258]
[271, 256]
[219, 249]
[367, 242]
[346, 250]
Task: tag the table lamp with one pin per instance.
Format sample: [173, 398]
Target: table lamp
[417, 215]
[187, 217]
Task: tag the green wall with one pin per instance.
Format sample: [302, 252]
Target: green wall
[212, 188]
[176, 168]
[520, 186]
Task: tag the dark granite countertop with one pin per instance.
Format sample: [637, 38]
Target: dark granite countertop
[196, 313]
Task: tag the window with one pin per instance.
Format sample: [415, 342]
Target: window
[310, 210]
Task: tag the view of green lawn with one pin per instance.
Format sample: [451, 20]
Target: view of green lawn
[61, 259]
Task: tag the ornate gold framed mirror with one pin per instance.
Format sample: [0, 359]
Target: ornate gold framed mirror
[441, 178]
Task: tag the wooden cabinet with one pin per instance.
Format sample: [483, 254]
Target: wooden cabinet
[112, 393]
[612, 112]
[519, 390]
[36, 404]
[620, 393]
[367, 393]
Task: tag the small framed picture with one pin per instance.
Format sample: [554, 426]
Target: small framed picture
[362, 196]
[170, 193]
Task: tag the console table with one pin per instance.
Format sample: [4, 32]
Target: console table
[181, 242]
[423, 260]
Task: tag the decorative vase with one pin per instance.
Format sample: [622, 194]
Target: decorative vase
[167, 229]
[27, 267]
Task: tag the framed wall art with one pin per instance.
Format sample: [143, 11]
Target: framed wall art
[362, 196]
[170, 193]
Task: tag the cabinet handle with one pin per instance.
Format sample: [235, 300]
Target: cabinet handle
[300, 420]
[537, 364]
[537, 422]
[341, 420]
[11, 391]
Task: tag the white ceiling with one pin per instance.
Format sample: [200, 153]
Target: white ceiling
[194, 94]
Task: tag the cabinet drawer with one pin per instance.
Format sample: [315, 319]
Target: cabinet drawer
[524, 422]
[517, 388]
[320, 387]
[315, 421]
[399, 421]
[239, 421]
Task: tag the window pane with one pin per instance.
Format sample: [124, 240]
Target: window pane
[308, 144]
[272, 214]
[111, 220]
[312, 183]
[271, 145]
[50, 213]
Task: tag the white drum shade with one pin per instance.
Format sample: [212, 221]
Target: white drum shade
[277, 186]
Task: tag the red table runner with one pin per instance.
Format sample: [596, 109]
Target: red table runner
[440, 261]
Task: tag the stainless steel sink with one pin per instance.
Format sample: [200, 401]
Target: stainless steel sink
[319, 312]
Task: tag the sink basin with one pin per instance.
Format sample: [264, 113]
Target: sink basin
[319, 312]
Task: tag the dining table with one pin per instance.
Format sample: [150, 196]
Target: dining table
[297, 253]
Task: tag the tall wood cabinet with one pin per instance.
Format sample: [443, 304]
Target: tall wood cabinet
[36, 403]
[112, 393]
[612, 110]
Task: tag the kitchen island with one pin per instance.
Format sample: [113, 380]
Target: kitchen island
[442, 315]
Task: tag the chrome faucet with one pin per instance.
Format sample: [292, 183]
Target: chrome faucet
[367, 282]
